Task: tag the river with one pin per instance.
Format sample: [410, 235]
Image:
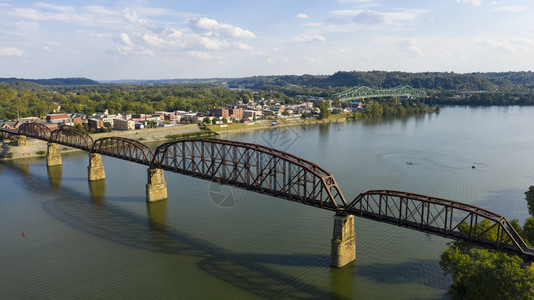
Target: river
[101, 240]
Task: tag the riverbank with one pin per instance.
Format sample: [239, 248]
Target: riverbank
[38, 148]
[271, 124]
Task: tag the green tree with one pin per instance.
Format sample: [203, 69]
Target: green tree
[483, 274]
[323, 108]
[107, 124]
[529, 197]
[152, 124]
[206, 120]
[528, 231]
[224, 120]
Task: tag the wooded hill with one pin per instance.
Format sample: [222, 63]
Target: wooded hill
[52, 81]
[507, 82]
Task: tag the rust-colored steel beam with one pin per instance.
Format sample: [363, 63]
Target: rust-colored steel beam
[438, 216]
[252, 167]
[72, 138]
[35, 130]
[123, 148]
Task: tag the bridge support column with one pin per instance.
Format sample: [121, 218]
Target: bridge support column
[21, 140]
[53, 157]
[343, 241]
[96, 168]
[156, 188]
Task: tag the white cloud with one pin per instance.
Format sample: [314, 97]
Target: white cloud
[131, 16]
[242, 46]
[11, 52]
[374, 18]
[211, 27]
[309, 38]
[47, 49]
[59, 8]
[213, 44]
[523, 40]
[510, 9]
[491, 44]
[411, 47]
[474, 2]
[303, 16]
[126, 39]
[199, 55]
[369, 18]
[99, 10]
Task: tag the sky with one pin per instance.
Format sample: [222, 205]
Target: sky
[167, 39]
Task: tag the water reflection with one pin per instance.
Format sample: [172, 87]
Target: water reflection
[98, 190]
[342, 280]
[245, 271]
[54, 176]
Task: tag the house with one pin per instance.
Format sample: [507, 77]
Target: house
[57, 118]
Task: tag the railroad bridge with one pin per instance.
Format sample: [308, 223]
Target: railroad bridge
[280, 174]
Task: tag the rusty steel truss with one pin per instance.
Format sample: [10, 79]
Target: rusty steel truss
[123, 148]
[252, 167]
[35, 130]
[280, 174]
[72, 138]
[442, 217]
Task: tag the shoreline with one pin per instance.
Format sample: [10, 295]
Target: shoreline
[35, 147]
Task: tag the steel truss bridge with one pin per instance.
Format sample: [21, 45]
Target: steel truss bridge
[280, 174]
[363, 92]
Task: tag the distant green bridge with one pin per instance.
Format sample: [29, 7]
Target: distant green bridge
[363, 92]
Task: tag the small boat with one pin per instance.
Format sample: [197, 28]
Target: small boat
[472, 167]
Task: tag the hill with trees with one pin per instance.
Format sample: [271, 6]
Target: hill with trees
[506, 82]
[53, 81]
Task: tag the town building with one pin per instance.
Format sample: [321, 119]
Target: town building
[95, 123]
[121, 124]
[57, 118]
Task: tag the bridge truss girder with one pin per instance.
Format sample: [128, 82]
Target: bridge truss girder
[363, 92]
[123, 148]
[72, 138]
[438, 216]
[252, 167]
[35, 130]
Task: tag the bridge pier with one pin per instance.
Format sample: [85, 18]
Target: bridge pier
[95, 168]
[21, 140]
[53, 157]
[343, 249]
[156, 188]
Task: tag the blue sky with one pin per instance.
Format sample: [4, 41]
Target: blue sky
[111, 39]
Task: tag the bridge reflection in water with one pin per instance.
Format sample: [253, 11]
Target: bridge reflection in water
[280, 174]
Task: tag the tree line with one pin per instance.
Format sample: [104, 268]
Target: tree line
[26, 99]
[485, 274]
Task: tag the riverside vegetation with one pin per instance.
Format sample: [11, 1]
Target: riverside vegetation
[485, 274]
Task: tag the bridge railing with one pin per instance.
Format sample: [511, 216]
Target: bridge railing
[439, 216]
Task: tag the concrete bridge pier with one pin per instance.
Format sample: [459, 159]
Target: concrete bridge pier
[53, 157]
[95, 168]
[21, 140]
[343, 249]
[156, 188]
